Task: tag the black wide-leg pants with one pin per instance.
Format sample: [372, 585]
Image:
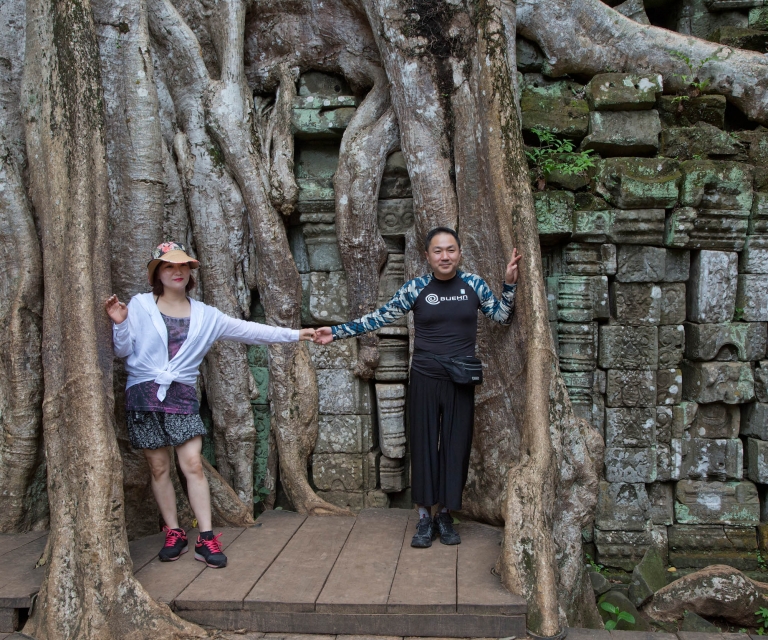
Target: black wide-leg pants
[440, 414]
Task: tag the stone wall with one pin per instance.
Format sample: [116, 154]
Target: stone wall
[656, 265]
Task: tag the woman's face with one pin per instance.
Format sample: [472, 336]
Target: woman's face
[174, 276]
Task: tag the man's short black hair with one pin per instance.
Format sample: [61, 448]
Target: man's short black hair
[437, 231]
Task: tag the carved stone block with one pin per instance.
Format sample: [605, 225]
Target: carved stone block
[592, 225]
[623, 133]
[668, 461]
[725, 342]
[678, 265]
[663, 424]
[576, 346]
[754, 257]
[637, 183]
[582, 298]
[390, 402]
[707, 108]
[589, 259]
[713, 459]
[722, 229]
[636, 303]
[752, 297]
[395, 216]
[661, 495]
[622, 549]
[392, 474]
[553, 105]
[395, 182]
[298, 249]
[712, 287]
[586, 399]
[354, 501]
[683, 416]
[320, 124]
[622, 91]
[624, 464]
[554, 215]
[343, 434]
[669, 387]
[699, 546]
[322, 248]
[679, 226]
[622, 507]
[758, 216]
[728, 382]
[393, 359]
[337, 471]
[341, 392]
[671, 345]
[754, 420]
[672, 303]
[328, 297]
[757, 460]
[392, 277]
[716, 421]
[709, 184]
[711, 502]
[628, 347]
[629, 388]
[641, 264]
[630, 427]
[637, 226]
[339, 354]
[761, 381]
[702, 139]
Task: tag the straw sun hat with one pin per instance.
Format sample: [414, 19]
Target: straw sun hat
[170, 252]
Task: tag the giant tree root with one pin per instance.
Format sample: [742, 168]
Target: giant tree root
[716, 591]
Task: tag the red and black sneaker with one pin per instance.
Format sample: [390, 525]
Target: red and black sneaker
[175, 545]
[209, 551]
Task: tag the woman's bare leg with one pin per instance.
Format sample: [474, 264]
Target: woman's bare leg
[160, 466]
[190, 461]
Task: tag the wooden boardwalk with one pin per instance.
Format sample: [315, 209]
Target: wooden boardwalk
[293, 574]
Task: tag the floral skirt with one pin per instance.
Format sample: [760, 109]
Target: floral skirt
[154, 429]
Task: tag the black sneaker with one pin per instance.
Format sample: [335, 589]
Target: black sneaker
[175, 545]
[425, 533]
[209, 551]
[444, 525]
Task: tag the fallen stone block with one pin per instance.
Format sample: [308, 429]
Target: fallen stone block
[623, 133]
[708, 108]
[728, 382]
[702, 139]
[711, 289]
[648, 577]
[600, 584]
[623, 91]
[696, 624]
[621, 549]
[638, 183]
[745, 341]
[711, 502]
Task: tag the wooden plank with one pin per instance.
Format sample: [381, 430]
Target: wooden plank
[144, 550]
[478, 590]
[20, 578]
[297, 576]
[12, 541]
[425, 581]
[165, 580]
[424, 625]
[251, 555]
[361, 579]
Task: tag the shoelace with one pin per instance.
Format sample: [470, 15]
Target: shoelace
[213, 545]
[172, 536]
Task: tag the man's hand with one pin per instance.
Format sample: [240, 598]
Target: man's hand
[116, 310]
[511, 275]
[323, 335]
[306, 334]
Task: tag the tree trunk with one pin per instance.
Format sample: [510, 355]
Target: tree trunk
[88, 590]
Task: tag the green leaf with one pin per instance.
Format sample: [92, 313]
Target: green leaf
[610, 625]
[610, 608]
[624, 615]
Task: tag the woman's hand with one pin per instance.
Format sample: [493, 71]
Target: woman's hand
[306, 334]
[116, 310]
[511, 274]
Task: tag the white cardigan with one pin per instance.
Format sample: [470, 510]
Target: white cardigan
[143, 340]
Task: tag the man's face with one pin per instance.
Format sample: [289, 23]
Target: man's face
[444, 256]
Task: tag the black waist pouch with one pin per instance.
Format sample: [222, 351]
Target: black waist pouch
[462, 369]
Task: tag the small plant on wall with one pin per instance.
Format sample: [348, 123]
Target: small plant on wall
[620, 615]
[556, 155]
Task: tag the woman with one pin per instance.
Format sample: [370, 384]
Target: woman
[164, 336]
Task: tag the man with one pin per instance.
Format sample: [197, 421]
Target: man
[440, 411]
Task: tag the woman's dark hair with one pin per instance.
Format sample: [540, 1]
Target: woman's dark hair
[437, 231]
[157, 284]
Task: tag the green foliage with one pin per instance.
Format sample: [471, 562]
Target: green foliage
[597, 568]
[556, 154]
[761, 563]
[738, 314]
[691, 79]
[762, 615]
[260, 494]
[610, 625]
